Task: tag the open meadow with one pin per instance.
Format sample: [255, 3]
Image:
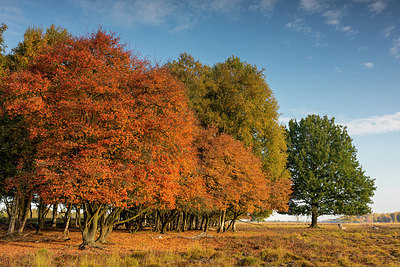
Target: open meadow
[272, 244]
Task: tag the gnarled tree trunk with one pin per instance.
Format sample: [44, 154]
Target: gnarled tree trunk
[92, 214]
[314, 216]
[13, 216]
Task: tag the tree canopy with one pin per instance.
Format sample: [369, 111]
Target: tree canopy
[234, 97]
[112, 129]
[327, 177]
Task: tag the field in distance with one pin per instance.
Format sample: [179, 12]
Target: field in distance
[276, 244]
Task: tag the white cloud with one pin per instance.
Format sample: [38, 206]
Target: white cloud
[368, 65]
[395, 49]
[11, 14]
[299, 26]
[388, 31]
[362, 1]
[375, 125]
[377, 6]
[224, 6]
[154, 12]
[333, 17]
[348, 29]
[337, 69]
[173, 15]
[268, 5]
[311, 5]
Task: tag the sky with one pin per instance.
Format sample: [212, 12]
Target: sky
[327, 57]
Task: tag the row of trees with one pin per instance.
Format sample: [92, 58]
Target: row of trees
[86, 123]
[393, 217]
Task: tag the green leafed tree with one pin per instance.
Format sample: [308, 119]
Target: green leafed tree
[234, 97]
[3, 28]
[327, 177]
[35, 39]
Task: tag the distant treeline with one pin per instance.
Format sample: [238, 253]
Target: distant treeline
[393, 217]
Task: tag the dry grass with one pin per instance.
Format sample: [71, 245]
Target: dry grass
[254, 245]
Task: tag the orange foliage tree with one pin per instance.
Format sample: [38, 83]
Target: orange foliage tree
[113, 130]
[232, 174]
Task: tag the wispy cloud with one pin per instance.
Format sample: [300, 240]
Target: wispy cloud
[12, 15]
[387, 32]
[337, 69]
[333, 17]
[174, 15]
[368, 65]
[395, 49]
[362, 1]
[268, 5]
[377, 6]
[298, 25]
[312, 5]
[374, 6]
[224, 6]
[375, 125]
[330, 14]
[154, 12]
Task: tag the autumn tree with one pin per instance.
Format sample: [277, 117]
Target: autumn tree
[234, 97]
[327, 177]
[232, 175]
[113, 131]
[19, 148]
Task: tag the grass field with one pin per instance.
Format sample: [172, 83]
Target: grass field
[270, 244]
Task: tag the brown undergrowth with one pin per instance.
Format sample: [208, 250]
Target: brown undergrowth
[254, 245]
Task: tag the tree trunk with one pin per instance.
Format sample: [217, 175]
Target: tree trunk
[43, 210]
[54, 217]
[221, 227]
[105, 229]
[184, 221]
[107, 223]
[24, 212]
[67, 220]
[206, 223]
[164, 222]
[314, 216]
[13, 216]
[77, 217]
[232, 224]
[92, 214]
[177, 223]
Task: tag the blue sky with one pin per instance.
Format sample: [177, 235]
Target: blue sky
[326, 57]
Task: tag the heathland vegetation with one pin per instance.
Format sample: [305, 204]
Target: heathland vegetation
[108, 139]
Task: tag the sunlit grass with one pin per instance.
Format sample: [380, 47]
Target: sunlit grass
[253, 245]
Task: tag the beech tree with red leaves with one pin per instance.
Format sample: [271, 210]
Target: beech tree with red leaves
[18, 151]
[232, 174]
[113, 130]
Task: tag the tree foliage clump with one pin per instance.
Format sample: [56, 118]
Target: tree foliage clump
[234, 97]
[327, 177]
[112, 130]
[87, 125]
